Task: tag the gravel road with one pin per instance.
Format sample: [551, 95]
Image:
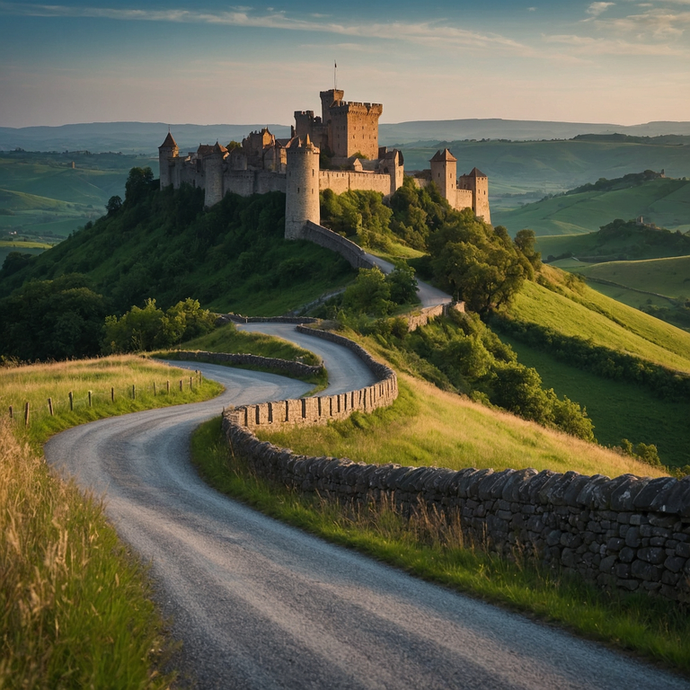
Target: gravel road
[262, 605]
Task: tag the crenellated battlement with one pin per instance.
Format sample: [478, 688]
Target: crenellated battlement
[347, 133]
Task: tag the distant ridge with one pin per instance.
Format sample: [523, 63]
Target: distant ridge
[145, 137]
[125, 137]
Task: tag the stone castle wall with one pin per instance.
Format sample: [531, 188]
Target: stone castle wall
[629, 533]
[324, 237]
[344, 180]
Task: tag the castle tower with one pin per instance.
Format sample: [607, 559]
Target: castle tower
[167, 150]
[302, 187]
[478, 183]
[213, 175]
[444, 167]
[328, 98]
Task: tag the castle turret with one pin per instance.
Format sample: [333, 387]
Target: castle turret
[444, 166]
[302, 187]
[478, 183]
[167, 150]
[213, 175]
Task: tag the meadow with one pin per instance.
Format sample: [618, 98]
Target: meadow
[588, 314]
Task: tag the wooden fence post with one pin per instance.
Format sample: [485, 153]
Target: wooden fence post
[134, 392]
[167, 386]
[26, 414]
[112, 395]
[90, 398]
[71, 401]
[154, 389]
[180, 384]
[190, 383]
[50, 406]
[11, 412]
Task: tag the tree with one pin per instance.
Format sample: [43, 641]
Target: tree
[114, 205]
[139, 183]
[370, 293]
[476, 262]
[403, 284]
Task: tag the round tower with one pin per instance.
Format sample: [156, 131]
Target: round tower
[167, 150]
[213, 175]
[302, 187]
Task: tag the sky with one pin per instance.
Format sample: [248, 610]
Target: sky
[211, 62]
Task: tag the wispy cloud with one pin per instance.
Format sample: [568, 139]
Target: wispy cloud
[597, 8]
[429, 33]
[591, 46]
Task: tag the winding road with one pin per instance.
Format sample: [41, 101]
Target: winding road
[258, 604]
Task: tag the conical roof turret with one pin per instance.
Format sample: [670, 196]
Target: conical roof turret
[169, 143]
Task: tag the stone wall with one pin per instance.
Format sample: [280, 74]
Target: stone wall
[344, 180]
[289, 367]
[325, 408]
[629, 533]
[324, 237]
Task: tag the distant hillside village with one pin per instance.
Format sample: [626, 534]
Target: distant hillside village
[338, 150]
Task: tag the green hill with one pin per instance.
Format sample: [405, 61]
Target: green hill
[526, 171]
[164, 245]
[664, 202]
[43, 196]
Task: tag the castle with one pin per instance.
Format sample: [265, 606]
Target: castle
[337, 150]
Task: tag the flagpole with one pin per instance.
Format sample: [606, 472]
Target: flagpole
[335, 75]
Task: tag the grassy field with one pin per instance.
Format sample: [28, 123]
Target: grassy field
[669, 277]
[665, 202]
[606, 322]
[618, 409]
[6, 247]
[76, 607]
[650, 627]
[42, 195]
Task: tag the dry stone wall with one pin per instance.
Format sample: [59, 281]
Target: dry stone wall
[629, 533]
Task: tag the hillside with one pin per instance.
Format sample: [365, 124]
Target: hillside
[42, 196]
[620, 404]
[164, 245]
[664, 202]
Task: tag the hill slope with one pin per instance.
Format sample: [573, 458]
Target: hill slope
[165, 245]
[664, 202]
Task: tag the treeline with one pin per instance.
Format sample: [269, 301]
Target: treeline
[461, 353]
[599, 360]
[604, 185]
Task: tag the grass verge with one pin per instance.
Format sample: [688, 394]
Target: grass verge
[653, 628]
[76, 607]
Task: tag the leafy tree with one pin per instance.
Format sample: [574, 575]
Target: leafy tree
[403, 284]
[370, 293]
[524, 243]
[114, 205]
[150, 328]
[476, 262]
[14, 262]
[139, 183]
[52, 319]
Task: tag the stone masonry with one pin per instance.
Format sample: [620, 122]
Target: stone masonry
[630, 533]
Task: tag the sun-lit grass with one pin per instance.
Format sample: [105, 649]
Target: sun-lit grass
[434, 550]
[75, 607]
[36, 383]
[229, 339]
[427, 426]
[605, 322]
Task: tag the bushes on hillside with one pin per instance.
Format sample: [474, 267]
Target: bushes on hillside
[150, 328]
[602, 361]
[52, 319]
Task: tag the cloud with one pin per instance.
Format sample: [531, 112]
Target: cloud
[596, 8]
[426, 33]
[590, 46]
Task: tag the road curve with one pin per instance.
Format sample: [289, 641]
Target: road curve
[262, 605]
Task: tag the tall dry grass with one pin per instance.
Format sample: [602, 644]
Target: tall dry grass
[73, 604]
